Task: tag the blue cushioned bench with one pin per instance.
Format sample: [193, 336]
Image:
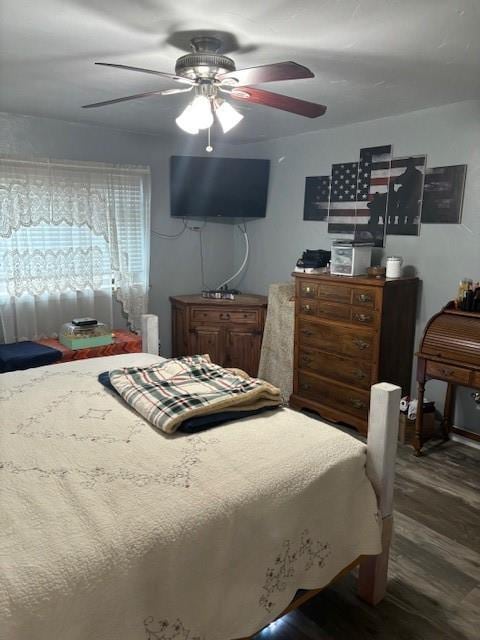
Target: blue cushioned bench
[25, 355]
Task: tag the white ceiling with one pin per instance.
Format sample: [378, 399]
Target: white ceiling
[371, 58]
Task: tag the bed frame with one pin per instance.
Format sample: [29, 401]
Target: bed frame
[381, 453]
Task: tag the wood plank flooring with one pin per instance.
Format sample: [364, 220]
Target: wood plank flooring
[434, 587]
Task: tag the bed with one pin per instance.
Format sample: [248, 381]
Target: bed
[112, 530]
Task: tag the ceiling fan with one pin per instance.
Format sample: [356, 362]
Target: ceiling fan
[211, 74]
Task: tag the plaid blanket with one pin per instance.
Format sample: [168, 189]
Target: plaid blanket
[174, 390]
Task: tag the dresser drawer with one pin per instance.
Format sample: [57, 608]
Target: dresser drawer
[446, 372]
[328, 393]
[339, 293]
[351, 371]
[340, 312]
[366, 317]
[347, 341]
[202, 315]
[307, 289]
[364, 297]
[327, 310]
[335, 293]
[475, 381]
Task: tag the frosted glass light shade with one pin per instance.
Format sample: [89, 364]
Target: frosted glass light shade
[187, 121]
[228, 116]
[202, 112]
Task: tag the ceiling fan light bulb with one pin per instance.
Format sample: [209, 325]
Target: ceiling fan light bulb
[202, 112]
[187, 121]
[228, 116]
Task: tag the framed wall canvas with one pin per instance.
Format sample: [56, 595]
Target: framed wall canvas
[317, 195]
[343, 191]
[372, 194]
[405, 196]
[443, 194]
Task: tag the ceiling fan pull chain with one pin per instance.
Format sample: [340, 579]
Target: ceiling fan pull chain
[209, 147]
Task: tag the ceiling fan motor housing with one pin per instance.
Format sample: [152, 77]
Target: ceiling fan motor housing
[204, 61]
[203, 65]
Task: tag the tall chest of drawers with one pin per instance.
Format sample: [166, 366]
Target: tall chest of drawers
[350, 333]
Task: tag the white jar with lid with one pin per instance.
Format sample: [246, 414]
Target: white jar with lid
[394, 267]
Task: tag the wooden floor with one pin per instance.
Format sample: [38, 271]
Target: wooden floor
[434, 588]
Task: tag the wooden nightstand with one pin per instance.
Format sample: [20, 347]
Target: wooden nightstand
[230, 331]
[123, 342]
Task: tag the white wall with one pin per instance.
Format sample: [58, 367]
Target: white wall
[175, 264]
[442, 254]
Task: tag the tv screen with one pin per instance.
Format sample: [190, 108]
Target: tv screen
[218, 187]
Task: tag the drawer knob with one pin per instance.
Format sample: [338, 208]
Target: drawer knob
[306, 308]
[362, 317]
[306, 332]
[307, 290]
[305, 386]
[358, 404]
[307, 359]
[363, 297]
[361, 344]
[447, 372]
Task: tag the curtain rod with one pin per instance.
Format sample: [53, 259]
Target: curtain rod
[80, 165]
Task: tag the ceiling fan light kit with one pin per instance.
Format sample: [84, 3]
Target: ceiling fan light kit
[208, 73]
[227, 115]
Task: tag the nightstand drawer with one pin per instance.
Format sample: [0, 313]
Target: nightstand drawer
[349, 370]
[225, 315]
[446, 372]
[338, 397]
[347, 341]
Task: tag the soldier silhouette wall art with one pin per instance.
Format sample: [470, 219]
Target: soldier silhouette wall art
[405, 196]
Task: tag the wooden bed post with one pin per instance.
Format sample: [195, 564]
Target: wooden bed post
[381, 452]
[149, 330]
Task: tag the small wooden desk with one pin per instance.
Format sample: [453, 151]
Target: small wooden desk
[123, 342]
[449, 351]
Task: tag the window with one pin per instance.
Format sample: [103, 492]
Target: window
[71, 230]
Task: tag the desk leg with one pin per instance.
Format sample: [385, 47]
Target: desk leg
[448, 410]
[417, 443]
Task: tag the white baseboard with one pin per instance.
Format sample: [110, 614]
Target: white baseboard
[467, 441]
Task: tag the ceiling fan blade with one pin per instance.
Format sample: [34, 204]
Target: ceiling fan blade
[162, 74]
[268, 73]
[279, 101]
[171, 92]
[115, 100]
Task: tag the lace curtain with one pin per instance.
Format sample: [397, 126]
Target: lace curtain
[68, 231]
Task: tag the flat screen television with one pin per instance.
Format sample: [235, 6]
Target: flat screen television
[203, 187]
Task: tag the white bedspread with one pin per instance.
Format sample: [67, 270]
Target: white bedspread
[111, 530]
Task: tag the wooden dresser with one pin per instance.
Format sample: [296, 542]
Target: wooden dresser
[351, 332]
[449, 351]
[230, 331]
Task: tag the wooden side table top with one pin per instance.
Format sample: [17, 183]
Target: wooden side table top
[123, 342]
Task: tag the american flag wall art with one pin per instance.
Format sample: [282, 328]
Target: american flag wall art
[317, 195]
[443, 194]
[358, 197]
[372, 194]
[405, 195]
[343, 204]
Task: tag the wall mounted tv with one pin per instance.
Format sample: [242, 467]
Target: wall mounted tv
[223, 188]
